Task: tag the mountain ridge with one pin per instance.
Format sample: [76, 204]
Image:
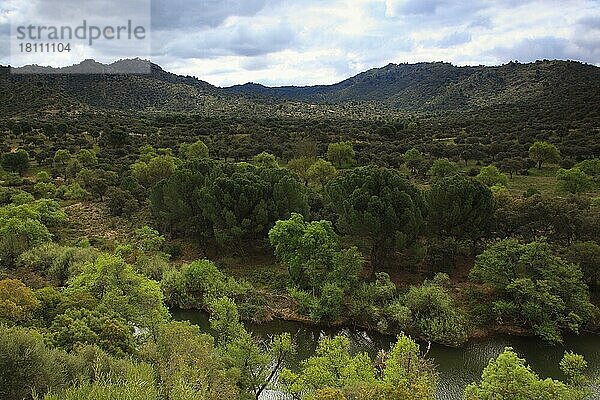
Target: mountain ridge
[425, 86]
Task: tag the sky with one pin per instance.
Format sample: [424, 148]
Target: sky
[307, 42]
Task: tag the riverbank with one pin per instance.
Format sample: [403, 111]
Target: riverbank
[457, 366]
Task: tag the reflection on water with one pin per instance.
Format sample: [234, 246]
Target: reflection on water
[457, 367]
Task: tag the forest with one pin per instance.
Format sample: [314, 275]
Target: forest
[429, 226]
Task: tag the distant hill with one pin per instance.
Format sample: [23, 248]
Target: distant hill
[435, 86]
[546, 86]
[92, 84]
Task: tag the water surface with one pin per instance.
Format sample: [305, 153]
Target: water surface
[457, 366]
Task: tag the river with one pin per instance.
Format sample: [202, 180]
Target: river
[457, 366]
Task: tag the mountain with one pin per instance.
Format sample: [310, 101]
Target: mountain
[546, 86]
[434, 86]
[91, 84]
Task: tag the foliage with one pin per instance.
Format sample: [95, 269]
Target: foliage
[259, 363]
[587, 256]
[17, 301]
[341, 154]
[188, 365]
[460, 207]
[508, 377]
[534, 288]
[24, 226]
[313, 254]
[442, 168]
[197, 284]
[246, 204]
[96, 181]
[434, 314]
[320, 173]
[58, 263]
[195, 150]
[115, 287]
[103, 328]
[379, 204]
[332, 373]
[573, 181]
[544, 152]
[265, 160]
[491, 176]
[120, 202]
[17, 161]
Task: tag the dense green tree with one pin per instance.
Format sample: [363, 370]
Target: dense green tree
[434, 314]
[341, 154]
[97, 181]
[15, 161]
[442, 168]
[24, 226]
[87, 158]
[17, 301]
[197, 284]
[193, 151]
[413, 159]
[512, 165]
[533, 288]
[259, 363]
[460, 206]
[573, 181]
[587, 256]
[313, 254]
[333, 373]
[380, 205]
[120, 202]
[60, 161]
[544, 152]
[265, 160]
[84, 327]
[491, 176]
[320, 173]
[155, 170]
[246, 204]
[189, 366]
[176, 201]
[300, 167]
[38, 367]
[508, 377]
[115, 287]
[590, 167]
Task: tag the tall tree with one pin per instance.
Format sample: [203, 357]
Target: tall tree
[544, 152]
[460, 206]
[380, 205]
[341, 154]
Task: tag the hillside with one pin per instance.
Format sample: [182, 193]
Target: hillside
[442, 86]
[569, 90]
[91, 84]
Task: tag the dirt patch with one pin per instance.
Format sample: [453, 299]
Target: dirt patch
[94, 222]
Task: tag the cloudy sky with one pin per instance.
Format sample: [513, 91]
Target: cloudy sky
[278, 42]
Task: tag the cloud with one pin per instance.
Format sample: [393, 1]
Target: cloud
[314, 41]
[532, 49]
[453, 39]
[201, 14]
[243, 39]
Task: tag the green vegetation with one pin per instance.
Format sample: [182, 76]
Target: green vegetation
[423, 215]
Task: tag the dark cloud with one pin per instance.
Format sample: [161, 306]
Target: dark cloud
[244, 39]
[453, 39]
[200, 14]
[532, 49]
